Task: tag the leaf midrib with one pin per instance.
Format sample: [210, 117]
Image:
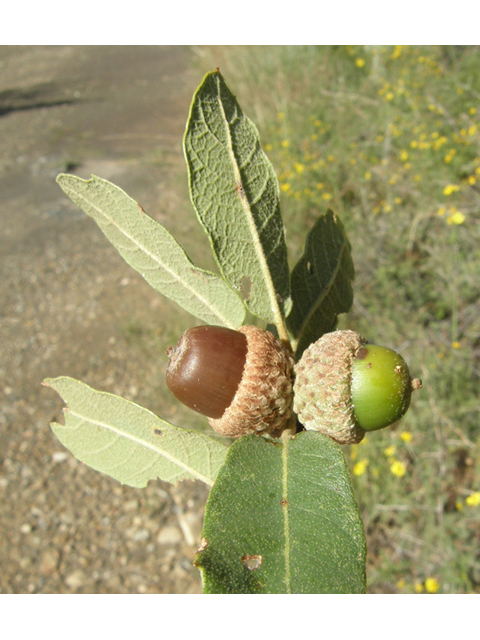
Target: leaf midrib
[254, 233]
[286, 511]
[142, 443]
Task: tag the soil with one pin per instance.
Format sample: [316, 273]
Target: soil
[71, 306]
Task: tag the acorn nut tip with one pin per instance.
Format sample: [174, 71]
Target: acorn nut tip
[345, 387]
[241, 380]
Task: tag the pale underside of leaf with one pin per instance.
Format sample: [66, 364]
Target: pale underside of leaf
[128, 442]
[150, 249]
[321, 282]
[235, 193]
[282, 518]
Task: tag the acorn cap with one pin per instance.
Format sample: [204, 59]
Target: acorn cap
[262, 403]
[322, 393]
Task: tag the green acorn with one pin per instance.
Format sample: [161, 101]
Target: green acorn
[345, 387]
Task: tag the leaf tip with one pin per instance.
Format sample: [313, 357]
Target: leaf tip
[63, 178]
[47, 382]
[55, 383]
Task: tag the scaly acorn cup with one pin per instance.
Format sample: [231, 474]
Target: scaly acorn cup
[345, 387]
[241, 380]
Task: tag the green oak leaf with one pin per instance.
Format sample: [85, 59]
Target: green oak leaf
[282, 518]
[236, 195]
[321, 282]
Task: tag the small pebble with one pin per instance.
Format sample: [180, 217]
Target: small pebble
[59, 456]
[75, 580]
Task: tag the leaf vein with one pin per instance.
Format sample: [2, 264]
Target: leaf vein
[145, 444]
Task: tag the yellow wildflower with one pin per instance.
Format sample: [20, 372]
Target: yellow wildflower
[319, 185]
[418, 587]
[397, 51]
[389, 96]
[360, 62]
[456, 218]
[406, 436]
[281, 115]
[285, 144]
[331, 158]
[471, 180]
[368, 175]
[360, 468]
[440, 142]
[455, 345]
[285, 186]
[398, 468]
[449, 189]
[472, 111]
[472, 130]
[401, 584]
[299, 167]
[390, 451]
[327, 196]
[403, 155]
[431, 585]
[459, 506]
[473, 500]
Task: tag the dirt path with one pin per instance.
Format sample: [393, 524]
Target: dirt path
[71, 306]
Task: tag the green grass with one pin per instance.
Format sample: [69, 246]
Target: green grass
[389, 137]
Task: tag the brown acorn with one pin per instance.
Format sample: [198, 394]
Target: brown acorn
[241, 380]
[345, 387]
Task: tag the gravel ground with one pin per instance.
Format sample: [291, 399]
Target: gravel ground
[71, 306]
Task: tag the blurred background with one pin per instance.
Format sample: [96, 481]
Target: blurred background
[389, 137]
